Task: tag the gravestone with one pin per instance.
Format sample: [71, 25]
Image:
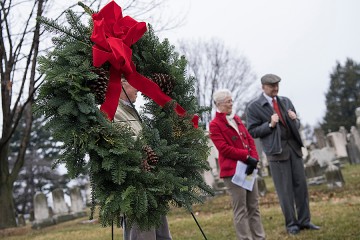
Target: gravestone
[211, 176]
[59, 202]
[334, 177]
[77, 203]
[21, 221]
[318, 161]
[353, 146]
[88, 194]
[343, 132]
[41, 212]
[337, 141]
[323, 157]
[60, 209]
[263, 162]
[320, 138]
[357, 113]
[51, 212]
[356, 135]
[32, 217]
[40, 207]
[261, 186]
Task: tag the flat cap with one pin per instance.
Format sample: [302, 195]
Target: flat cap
[270, 79]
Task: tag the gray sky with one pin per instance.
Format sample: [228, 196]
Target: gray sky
[298, 40]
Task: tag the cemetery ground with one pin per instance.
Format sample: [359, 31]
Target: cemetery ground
[337, 211]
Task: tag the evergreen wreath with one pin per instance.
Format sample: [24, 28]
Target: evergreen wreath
[140, 177]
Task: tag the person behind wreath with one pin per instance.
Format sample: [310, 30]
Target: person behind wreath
[273, 119]
[234, 144]
[127, 114]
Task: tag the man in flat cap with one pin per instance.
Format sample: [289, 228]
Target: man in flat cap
[273, 119]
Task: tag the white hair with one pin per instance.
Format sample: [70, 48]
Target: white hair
[220, 95]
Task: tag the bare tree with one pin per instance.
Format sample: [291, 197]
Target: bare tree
[214, 66]
[20, 36]
[18, 56]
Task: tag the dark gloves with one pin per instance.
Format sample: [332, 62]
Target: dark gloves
[251, 165]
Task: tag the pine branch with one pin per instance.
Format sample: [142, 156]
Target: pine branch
[76, 24]
[52, 26]
[86, 8]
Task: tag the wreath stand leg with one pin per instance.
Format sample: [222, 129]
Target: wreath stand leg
[112, 230]
[197, 223]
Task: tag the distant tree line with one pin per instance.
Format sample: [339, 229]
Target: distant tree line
[342, 97]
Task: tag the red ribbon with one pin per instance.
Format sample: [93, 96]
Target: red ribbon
[113, 36]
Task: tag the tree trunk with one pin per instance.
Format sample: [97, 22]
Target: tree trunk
[7, 210]
[8, 218]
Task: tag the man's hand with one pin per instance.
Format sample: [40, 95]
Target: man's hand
[274, 119]
[292, 114]
[252, 164]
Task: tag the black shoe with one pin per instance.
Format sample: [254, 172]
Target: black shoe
[310, 226]
[293, 230]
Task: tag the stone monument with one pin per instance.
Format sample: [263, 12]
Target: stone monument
[41, 212]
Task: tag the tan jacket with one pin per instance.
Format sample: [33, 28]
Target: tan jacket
[127, 115]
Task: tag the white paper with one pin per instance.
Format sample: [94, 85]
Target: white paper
[241, 179]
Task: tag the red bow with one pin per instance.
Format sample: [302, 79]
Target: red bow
[113, 36]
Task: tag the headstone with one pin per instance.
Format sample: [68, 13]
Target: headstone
[263, 161]
[32, 217]
[21, 221]
[356, 135]
[51, 212]
[261, 186]
[353, 146]
[343, 132]
[211, 177]
[357, 113]
[41, 212]
[334, 177]
[40, 207]
[88, 194]
[59, 202]
[316, 164]
[320, 138]
[77, 203]
[337, 141]
[313, 170]
[314, 174]
[61, 210]
[323, 157]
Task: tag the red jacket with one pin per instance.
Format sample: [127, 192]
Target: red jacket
[231, 145]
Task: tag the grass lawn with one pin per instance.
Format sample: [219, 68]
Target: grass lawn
[337, 211]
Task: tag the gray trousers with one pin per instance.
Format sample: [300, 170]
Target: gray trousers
[247, 221]
[291, 187]
[161, 233]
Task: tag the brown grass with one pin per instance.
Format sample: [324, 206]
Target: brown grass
[337, 211]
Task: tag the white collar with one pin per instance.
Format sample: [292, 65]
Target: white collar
[268, 98]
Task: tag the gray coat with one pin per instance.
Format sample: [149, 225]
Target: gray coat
[274, 140]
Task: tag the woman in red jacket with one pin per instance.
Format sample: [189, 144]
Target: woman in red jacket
[234, 143]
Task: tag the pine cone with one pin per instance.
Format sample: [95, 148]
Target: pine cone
[177, 132]
[164, 81]
[98, 87]
[145, 166]
[151, 156]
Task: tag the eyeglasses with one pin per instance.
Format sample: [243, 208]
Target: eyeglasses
[273, 85]
[227, 102]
